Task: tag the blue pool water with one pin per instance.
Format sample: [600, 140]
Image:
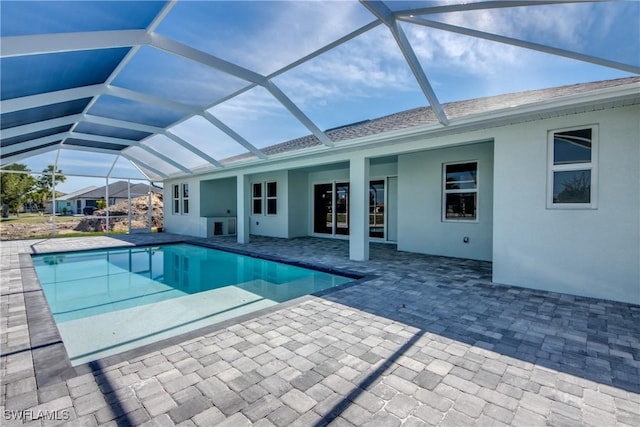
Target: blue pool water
[105, 302]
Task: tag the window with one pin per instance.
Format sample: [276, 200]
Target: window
[181, 198]
[460, 192]
[272, 198]
[176, 199]
[257, 198]
[185, 198]
[572, 168]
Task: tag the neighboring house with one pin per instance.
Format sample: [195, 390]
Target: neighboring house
[545, 184]
[64, 202]
[117, 192]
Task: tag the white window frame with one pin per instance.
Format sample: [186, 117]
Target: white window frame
[446, 191]
[185, 198]
[264, 198]
[268, 197]
[180, 199]
[591, 166]
[254, 198]
[175, 188]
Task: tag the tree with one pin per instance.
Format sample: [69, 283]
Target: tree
[14, 187]
[44, 185]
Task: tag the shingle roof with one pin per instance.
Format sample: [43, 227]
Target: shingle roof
[425, 116]
[74, 194]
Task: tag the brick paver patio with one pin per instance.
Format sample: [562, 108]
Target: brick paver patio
[425, 341]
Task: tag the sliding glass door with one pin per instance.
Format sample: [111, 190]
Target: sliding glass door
[341, 204]
[331, 213]
[323, 209]
[376, 209]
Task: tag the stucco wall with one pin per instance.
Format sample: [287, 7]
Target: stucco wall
[298, 203]
[420, 225]
[272, 225]
[592, 252]
[218, 198]
[183, 223]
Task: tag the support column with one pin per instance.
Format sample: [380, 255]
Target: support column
[359, 208]
[243, 208]
[106, 192]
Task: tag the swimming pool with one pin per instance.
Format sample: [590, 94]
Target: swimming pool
[109, 301]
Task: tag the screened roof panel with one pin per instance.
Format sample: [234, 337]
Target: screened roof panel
[566, 26]
[42, 113]
[30, 75]
[34, 135]
[463, 67]
[77, 162]
[94, 144]
[361, 79]
[134, 111]
[253, 112]
[114, 132]
[280, 31]
[37, 147]
[159, 73]
[45, 17]
[208, 138]
[152, 161]
[39, 162]
[168, 147]
[124, 169]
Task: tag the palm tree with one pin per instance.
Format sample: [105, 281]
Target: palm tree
[44, 185]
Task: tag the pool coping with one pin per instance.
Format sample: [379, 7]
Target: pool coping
[50, 358]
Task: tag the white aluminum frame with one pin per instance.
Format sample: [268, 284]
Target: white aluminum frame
[591, 166]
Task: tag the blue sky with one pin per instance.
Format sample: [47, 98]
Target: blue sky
[364, 78]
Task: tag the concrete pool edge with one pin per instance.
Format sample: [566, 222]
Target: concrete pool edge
[50, 358]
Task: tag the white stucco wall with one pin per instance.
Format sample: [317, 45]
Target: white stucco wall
[188, 224]
[420, 225]
[298, 203]
[592, 252]
[272, 225]
[218, 198]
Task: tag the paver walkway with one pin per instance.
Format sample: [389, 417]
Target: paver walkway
[427, 341]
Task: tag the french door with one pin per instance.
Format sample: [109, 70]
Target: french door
[331, 213]
[331, 208]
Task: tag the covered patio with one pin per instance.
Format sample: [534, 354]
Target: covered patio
[423, 341]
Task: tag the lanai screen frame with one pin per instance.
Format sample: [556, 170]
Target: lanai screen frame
[164, 166]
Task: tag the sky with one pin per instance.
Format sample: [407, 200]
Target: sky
[364, 78]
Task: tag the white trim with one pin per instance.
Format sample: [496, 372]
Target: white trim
[475, 190]
[591, 166]
[254, 198]
[68, 42]
[267, 198]
[264, 198]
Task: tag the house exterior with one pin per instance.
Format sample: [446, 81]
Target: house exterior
[118, 191]
[65, 204]
[544, 184]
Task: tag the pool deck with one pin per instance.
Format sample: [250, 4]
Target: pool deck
[424, 341]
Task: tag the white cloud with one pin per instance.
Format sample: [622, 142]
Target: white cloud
[361, 68]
